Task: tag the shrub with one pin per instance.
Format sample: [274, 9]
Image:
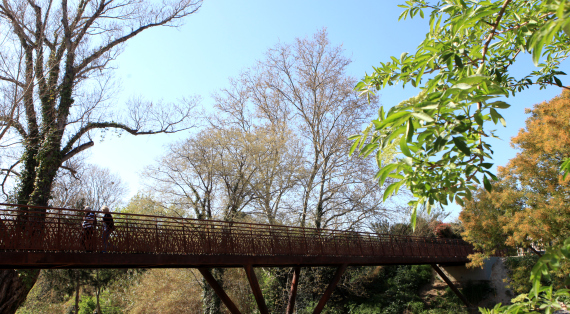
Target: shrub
[87, 305]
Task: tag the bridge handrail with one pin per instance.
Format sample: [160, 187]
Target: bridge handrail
[120, 217]
[60, 229]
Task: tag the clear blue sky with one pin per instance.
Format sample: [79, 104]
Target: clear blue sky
[227, 36]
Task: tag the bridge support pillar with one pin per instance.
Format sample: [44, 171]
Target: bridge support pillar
[339, 271]
[293, 292]
[219, 290]
[451, 285]
[255, 289]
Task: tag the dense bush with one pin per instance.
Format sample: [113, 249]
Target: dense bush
[387, 290]
[519, 268]
[87, 305]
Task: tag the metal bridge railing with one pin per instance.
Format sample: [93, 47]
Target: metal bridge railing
[60, 230]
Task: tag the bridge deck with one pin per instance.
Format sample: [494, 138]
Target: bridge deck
[44, 237]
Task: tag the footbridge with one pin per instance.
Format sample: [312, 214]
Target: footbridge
[47, 237]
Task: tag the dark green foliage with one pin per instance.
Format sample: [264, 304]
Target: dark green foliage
[87, 305]
[404, 285]
[477, 291]
[275, 283]
[389, 289]
[519, 268]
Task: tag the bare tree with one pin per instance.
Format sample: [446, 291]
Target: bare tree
[186, 176]
[277, 179]
[303, 87]
[62, 80]
[224, 172]
[89, 184]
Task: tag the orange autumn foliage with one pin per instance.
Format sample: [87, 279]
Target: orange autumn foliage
[529, 203]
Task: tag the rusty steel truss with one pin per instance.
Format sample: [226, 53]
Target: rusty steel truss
[45, 237]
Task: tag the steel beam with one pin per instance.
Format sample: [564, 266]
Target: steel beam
[293, 292]
[339, 271]
[46, 259]
[451, 285]
[219, 290]
[255, 289]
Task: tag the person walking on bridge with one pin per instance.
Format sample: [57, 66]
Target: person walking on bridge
[108, 226]
[89, 223]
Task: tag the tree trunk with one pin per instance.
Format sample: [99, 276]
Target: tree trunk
[34, 189]
[97, 293]
[77, 292]
[14, 287]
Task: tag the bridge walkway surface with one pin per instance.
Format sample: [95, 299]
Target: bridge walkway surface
[47, 237]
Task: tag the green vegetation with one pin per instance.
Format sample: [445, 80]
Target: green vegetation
[386, 290]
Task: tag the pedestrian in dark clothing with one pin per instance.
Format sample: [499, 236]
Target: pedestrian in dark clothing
[108, 226]
[3, 234]
[89, 223]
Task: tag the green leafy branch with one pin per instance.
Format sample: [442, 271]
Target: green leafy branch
[462, 69]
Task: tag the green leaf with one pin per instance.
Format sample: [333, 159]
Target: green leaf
[422, 116]
[393, 135]
[473, 79]
[368, 148]
[503, 122]
[381, 113]
[421, 73]
[458, 61]
[459, 201]
[461, 145]
[499, 104]
[478, 117]
[404, 147]
[487, 184]
[494, 115]
[410, 130]
[463, 86]
[384, 172]
[391, 118]
[389, 190]
[353, 147]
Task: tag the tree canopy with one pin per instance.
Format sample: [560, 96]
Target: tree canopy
[276, 149]
[528, 205]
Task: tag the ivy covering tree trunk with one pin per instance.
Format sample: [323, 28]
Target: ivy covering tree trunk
[55, 76]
